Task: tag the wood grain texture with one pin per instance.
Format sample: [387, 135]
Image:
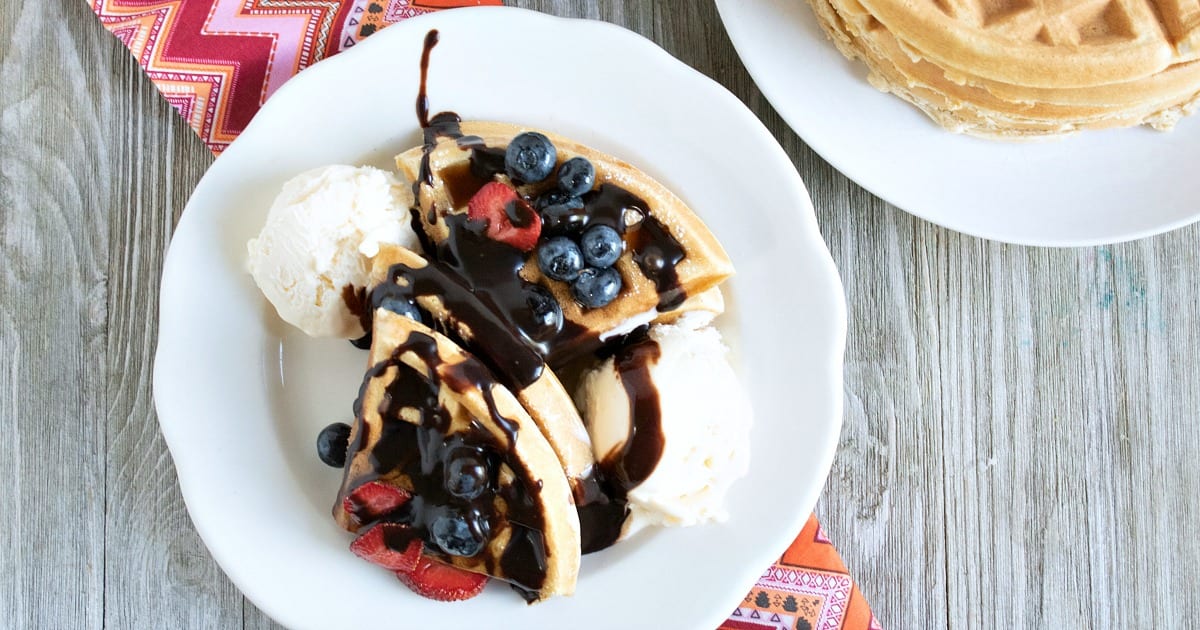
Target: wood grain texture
[1019, 430]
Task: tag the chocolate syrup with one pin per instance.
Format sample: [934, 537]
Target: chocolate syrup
[478, 281]
[602, 512]
[644, 446]
[655, 251]
[414, 455]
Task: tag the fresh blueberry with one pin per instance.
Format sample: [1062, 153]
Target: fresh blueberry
[601, 246]
[596, 287]
[576, 176]
[564, 218]
[466, 474]
[454, 535]
[545, 311]
[556, 197]
[400, 306]
[559, 258]
[530, 157]
[332, 442]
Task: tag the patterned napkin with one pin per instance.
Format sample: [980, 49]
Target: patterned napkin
[217, 62]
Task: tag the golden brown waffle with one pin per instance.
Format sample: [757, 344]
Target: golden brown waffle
[1047, 43]
[406, 356]
[704, 266]
[982, 105]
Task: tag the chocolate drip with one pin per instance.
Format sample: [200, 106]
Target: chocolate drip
[603, 505]
[602, 512]
[414, 455]
[431, 40]
[356, 301]
[477, 281]
[655, 251]
[644, 447]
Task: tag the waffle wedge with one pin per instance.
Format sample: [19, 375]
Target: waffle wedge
[424, 399]
[670, 254]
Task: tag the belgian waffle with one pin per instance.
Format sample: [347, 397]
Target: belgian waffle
[421, 392]
[448, 175]
[1023, 68]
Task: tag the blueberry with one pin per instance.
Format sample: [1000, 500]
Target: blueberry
[596, 287]
[559, 258]
[601, 245]
[545, 311]
[576, 176]
[400, 306]
[332, 442]
[454, 535]
[530, 157]
[466, 474]
[556, 197]
[564, 218]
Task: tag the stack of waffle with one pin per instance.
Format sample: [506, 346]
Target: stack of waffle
[1016, 69]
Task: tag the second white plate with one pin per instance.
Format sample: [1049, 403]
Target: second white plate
[1096, 187]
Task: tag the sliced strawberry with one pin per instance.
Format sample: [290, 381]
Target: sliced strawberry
[373, 547]
[436, 580]
[373, 500]
[510, 218]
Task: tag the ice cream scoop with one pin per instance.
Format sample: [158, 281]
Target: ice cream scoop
[669, 423]
[316, 247]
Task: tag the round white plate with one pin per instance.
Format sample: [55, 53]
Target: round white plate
[1095, 187]
[241, 396]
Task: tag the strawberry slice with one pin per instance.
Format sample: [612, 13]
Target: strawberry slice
[373, 500]
[433, 579]
[373, 547]
[510, 219]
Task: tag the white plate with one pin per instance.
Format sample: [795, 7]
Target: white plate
[1092, 188]
[241, 397]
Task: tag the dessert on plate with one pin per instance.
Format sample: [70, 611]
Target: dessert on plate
[1018, 70]
[543, 378]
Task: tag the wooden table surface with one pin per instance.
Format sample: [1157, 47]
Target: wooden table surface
[1020, 424]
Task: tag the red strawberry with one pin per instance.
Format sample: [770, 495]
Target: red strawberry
[373, 547]
[373, 500]
[435, 580]
[510, 218]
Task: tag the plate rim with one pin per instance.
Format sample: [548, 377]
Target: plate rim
[165, 357]
[728, 10]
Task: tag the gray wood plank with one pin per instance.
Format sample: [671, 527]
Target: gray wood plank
[52, 327]
[101, 536]
[158, 571]
[161, 574]
[1049, 414]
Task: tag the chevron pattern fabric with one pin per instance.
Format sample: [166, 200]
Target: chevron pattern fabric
[217, 62]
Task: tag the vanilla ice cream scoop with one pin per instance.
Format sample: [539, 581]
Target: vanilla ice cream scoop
[678, 397]
[321, 233]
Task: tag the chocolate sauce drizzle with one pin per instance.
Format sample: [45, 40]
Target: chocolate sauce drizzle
[414, 455]
[655, 251]
[605, 508]
[478, 282]
[476, 279]
[644, 447]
